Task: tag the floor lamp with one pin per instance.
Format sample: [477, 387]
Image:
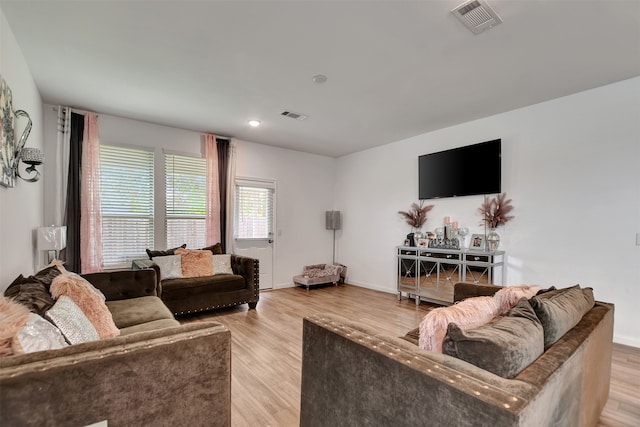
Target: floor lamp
[333, 222]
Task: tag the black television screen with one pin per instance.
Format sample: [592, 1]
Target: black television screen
[465, 171]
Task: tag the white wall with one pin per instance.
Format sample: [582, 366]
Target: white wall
[571, 167]
[21, 209]
[304, 184]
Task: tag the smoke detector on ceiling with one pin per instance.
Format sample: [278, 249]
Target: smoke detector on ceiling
[477, 15]
[293, 115]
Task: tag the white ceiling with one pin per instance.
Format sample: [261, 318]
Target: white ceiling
[395, 69]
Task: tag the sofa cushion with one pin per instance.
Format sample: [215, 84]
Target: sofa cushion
[31, 293]
[178, 288]
[89, 299]
[222, 264]
[171, 251]
[71, 321]
[215, 249]
[560, 310]
[508, 297]
[37, 335]
[150, 326]
[13, 317]
[135, 311]
[504, 346]
[470, 313]
[196, 263]
[170, 266]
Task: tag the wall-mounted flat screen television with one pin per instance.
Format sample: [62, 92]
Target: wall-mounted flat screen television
[464, 171]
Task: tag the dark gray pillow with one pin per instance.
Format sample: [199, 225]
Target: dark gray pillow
[560, 310]
[505, 346]
[171, 251]
[413, 336]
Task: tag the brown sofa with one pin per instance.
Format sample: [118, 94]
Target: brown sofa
[155, 373]
[192, 295]
[351, 374]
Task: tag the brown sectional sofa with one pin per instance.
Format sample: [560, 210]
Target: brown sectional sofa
[142, 377]
[352, 374]
[192, 295]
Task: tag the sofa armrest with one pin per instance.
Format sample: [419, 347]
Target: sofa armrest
[138, 379]
[464, 290]
[249, 269]
[125, 284]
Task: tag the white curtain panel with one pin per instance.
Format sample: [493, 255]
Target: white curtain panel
[62, 164]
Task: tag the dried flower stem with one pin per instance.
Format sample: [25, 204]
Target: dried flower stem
[494, 212]
[417, 215]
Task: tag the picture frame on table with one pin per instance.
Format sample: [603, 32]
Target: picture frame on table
[477, 242]
[424, 243]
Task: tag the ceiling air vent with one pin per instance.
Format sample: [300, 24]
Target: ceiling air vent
[477, 15]
[293, 115]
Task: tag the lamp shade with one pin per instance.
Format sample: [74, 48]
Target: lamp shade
[52, 238]
[332, 219]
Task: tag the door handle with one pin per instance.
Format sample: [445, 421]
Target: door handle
[270, 241]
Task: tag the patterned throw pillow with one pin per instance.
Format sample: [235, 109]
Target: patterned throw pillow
[222, 264]
[71, 321]
[170, 266]
[37, 335]
[85, 296]
[196, 263]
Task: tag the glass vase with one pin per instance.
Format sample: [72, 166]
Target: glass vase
[493, 240]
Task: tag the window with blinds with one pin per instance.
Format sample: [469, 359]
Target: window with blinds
[127, 204]
[254, 209]
[186, 200]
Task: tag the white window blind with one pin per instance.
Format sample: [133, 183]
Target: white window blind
[186, 200]
[254, 210]
[127, 204]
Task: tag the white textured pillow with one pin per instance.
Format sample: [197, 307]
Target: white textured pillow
[71, 321]
[222, 264]
[170, 266]
[37, 335]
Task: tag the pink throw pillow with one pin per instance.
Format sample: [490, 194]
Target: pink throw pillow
[508, 297]
[13, 316]
[90, 301]
[196, 263]
[467, 314]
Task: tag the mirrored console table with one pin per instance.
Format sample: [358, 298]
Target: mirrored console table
[430, 273]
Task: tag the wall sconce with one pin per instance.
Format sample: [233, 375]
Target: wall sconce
[52, 239]
[12, 152]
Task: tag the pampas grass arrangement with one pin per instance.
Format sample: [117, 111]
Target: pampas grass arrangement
[495, 211]
[417, 215]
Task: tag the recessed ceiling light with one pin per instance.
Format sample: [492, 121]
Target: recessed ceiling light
[254, 123]
[319, 78]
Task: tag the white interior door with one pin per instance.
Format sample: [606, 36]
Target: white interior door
[254, 219]
[263, 251]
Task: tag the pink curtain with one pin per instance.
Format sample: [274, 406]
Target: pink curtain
[213, 190]
[90, 215]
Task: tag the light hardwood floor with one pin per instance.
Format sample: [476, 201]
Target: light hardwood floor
[267, 349]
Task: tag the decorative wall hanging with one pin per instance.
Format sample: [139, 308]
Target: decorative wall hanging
[12, 152]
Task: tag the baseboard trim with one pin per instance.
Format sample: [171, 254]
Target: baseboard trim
[372, 287]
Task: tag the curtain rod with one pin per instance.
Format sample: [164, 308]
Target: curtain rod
[78, 111]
